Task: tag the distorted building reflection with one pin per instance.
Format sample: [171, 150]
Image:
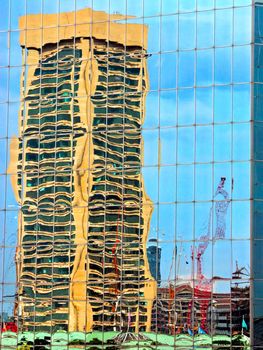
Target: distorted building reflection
[81, 258]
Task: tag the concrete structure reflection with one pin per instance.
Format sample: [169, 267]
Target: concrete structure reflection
[81, 258]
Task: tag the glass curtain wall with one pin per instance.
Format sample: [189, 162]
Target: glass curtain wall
[126, 152]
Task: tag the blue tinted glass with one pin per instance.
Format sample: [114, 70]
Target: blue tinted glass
[203, 184]
[168, 108]
[242, 58]
[169, 25]
[187, 5]
[154, 34]
[259, 24]
[258, 63]
[3, 112]
[204, 142]
[152, 105]
[258, 102]
[223, 104]
[186, 106]
[154, 71]
[185, 145]
[4, 84]
[205, 4]
[4, 41]
[187, 34]
[17, 9]
[168, 70]
[185, 183]
[150, 147]
[258, 189]
[205, 29]
[242, 2]
[169, 6]
[258, 141]
[242, 25]
[242, 102]
[204, 67]
[224, 3]
[242, 178]
[222, 142]
[4, 15]
[168, 145]
[134, 8]
[186, 68]
[223, 27]
[167, 183]
[258, 205]
[241, 141]
[223, 63]
[151, 8]
[204, 105]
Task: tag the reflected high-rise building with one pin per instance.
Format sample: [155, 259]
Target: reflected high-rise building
[154, 254]
[81, 257]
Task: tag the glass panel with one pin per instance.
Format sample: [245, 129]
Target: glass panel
[241, 56]
[241, 178]
[154, 34]
[187, 32]
[15, 52]
[241, 101]
[205, 4]
[17, 9]
[168, 146]
[152, 9]
[241, 220]
[128, 7]
[222, 142]
[169, 7]
[187, 5]
[241, 135]
[4, 40]
[205, 29]
[154, 74]
[169, 25]
[242, 25]
[185, 183]
[152, 107]
[168, 70]
[150, 147]
[223, 104]
[224, 3]
[223, 26]
[185, 145]
[186, 106]
[185, 217]
[204, 105]
[204, 142]
[186, 68]
[167, 188]
[204, 67]
[203, 186]
[5, 16]
[223, 65]
[168, 109]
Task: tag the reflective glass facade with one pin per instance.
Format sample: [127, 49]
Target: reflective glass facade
[130, 174]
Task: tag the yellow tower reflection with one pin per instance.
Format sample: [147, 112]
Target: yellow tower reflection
[76, 172]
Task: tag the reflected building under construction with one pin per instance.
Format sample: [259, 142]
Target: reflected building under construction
[81, 257]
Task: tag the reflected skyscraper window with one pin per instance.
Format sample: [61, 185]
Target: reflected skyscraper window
[130, 160]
